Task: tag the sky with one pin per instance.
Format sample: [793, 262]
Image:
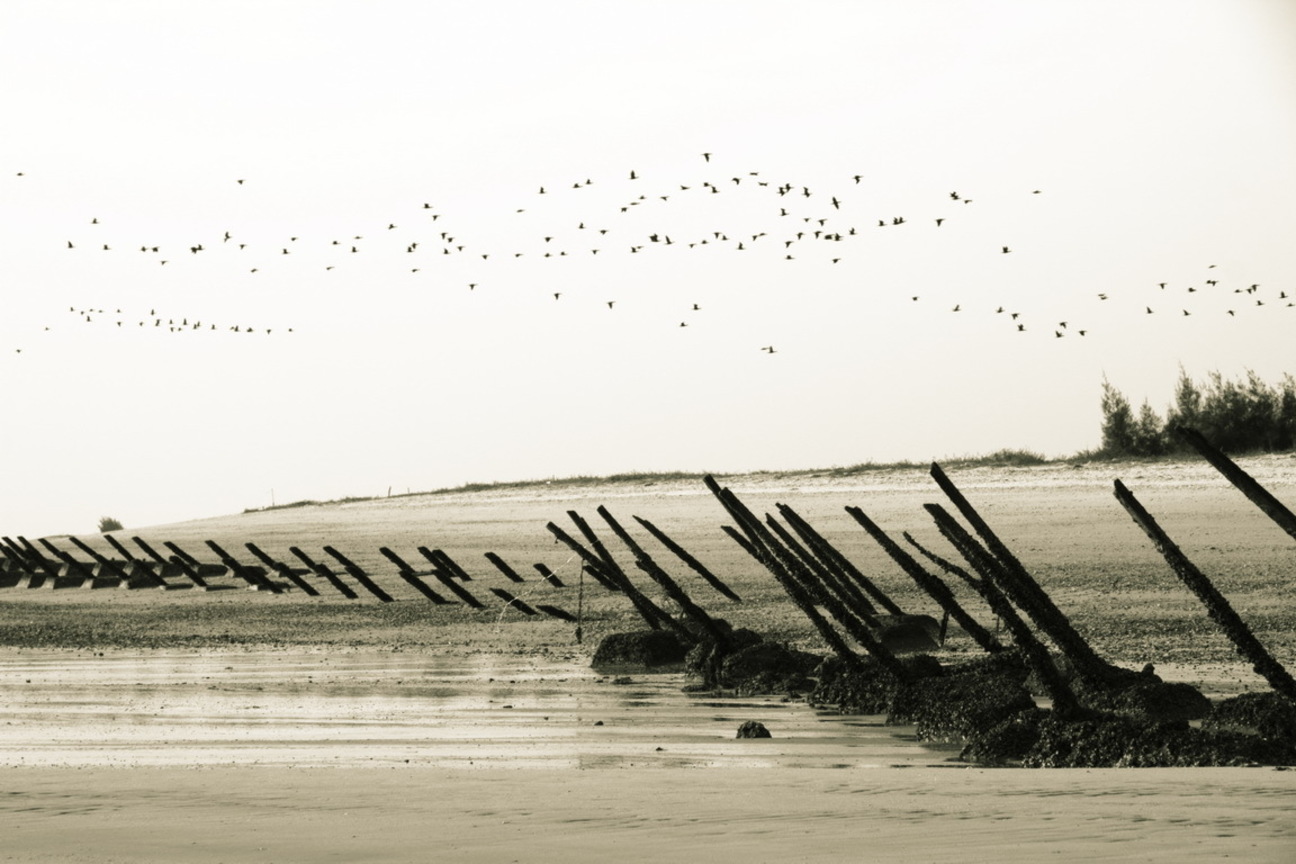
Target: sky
[739, 167]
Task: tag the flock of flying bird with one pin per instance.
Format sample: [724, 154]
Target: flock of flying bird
[799, 223]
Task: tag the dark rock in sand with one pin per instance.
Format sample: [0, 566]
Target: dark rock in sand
[1038, 739]
[1008, 741]
[961, 702]
[706, 658]
[640, 650]
[866, 691]
[908, 634]
[1145, 697]
[1267, 715]
[768, 667]
[753, 729]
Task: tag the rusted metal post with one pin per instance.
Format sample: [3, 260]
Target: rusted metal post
[860, 628]
[1219, 609]
[646, 563]
[604, 558]
[928, 582]
[1257, 494]
[656, 617]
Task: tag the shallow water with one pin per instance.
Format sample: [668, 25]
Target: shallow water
[357, 709]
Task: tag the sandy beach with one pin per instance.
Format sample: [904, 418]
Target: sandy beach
[147, 725]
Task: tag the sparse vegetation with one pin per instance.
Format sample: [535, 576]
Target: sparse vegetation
[1238, 417]
[107, 524]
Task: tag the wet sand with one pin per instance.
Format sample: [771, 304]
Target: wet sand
[277, 814]
[241, 726]
[363, 756]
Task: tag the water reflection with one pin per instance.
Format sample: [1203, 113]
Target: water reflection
[356, 708]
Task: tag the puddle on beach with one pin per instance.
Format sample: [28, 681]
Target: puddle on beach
[382, 709]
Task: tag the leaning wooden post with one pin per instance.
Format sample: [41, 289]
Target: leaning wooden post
[1216, 606]
[111, 566]
[440, 573]
[410, 576]
[510, 600]
[36, 561]
[1022, 589]
[816, 575]
[695, 565]
[163, 563]
[928, 582]
[74, 566]
[1257, 494]
[650, 611]
[359, 575]
[134, 564]
[822, 593]
[1033, 651]
[868, 585]
[188, 570]
[322, 570]
[749, 524]
[502, 566]
[121, 550]
[746, 545]
[16, 552]
[691, 610]
[452, 567]
[251, 577]
[549, 575]
[595, 565]
[284, 571]
[819, 548]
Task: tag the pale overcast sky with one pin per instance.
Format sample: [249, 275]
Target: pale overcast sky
[1159, 135]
